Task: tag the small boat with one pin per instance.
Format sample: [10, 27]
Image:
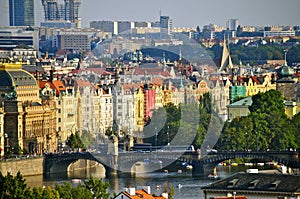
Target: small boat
[179, 186]
[189, 167]
[179, 171]
[76, 180]
[213, 177]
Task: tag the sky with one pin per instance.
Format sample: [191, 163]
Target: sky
[187, 13]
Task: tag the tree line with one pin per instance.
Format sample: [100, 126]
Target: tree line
[15, 187]
[267, 127]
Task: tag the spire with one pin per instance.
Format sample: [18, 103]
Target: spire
[226, 61]
[181, 83]
[180, 55]
[285, 62]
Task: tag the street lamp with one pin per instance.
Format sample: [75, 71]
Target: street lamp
[156, 138]
[6, 147]
[168, 136]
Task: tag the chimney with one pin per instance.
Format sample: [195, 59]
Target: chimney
[131, 191]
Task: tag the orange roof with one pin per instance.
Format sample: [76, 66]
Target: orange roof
[142, 194]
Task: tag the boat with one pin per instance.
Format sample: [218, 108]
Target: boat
[76, 180]
[213, 177]
[189, 167]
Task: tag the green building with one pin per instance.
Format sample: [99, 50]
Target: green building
[236, 92]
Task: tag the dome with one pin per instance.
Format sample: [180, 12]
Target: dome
[285, 71]
[13, 75]
[16, 78]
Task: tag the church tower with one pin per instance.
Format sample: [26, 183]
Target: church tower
[285, 83]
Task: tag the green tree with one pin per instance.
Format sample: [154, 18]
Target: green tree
[13, 187]
[74, 141]
[87, 138]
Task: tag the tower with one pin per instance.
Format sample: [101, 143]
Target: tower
[232, 24]
[68, 11]
[166, 24]
[285, 83]
[21, 12]
[226, 62]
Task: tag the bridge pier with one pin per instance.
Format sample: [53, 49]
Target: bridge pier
[201, 169]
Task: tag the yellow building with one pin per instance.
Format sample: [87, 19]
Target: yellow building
[28, 120]
[139, 109]
[256, 84]
[291, 108]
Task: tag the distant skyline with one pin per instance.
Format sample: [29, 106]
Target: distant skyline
[188, 13]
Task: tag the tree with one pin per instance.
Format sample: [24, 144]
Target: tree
[74, 141]
[266, 127]
[13, 187]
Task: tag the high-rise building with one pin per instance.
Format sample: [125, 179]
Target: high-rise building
[54, 10]
[232, 24]
[4, 13]
[166, 24]
[21, 12]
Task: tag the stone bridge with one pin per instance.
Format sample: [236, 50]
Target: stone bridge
[206, 164]
[202, 165]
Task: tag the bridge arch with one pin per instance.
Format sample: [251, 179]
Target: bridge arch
[61, 162]
[208, 163]
[143, 162]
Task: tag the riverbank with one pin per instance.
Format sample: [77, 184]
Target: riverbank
[27, 166]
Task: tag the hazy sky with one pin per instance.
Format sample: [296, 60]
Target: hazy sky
[188, 13]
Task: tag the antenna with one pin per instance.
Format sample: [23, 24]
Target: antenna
[159, 13]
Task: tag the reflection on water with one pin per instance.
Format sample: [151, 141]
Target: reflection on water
[190, 188]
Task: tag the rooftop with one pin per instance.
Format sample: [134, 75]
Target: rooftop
[253, 182]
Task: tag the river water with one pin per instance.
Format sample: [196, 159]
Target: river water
[190, 186]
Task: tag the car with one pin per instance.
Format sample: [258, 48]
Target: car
[212, 151]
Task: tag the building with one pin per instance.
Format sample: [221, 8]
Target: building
[29, 120]
[166, 25]
[56, 11]
[239, 108]
[279, 33]
[285, 82]
[4, 13]
[105, 26]
[11, 37]
[75, 40]
[255, 185]
[236, 92]
[140, 192]
[232, 24]
[21, 12]
[124, 107]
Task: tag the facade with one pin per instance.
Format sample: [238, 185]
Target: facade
[10, 38]
[55, 11]
[2, 134]
[255, 84]
[236, 91]
[21, 12]
[166, 25]
[239, 108]
[140, 192]
[232, 24]
[285, 83]
[139, 109]
[77, 41]
[149, 103]
[105, 108]
[29, 121]
[124, 108]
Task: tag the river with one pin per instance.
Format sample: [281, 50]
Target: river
[189, 189]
